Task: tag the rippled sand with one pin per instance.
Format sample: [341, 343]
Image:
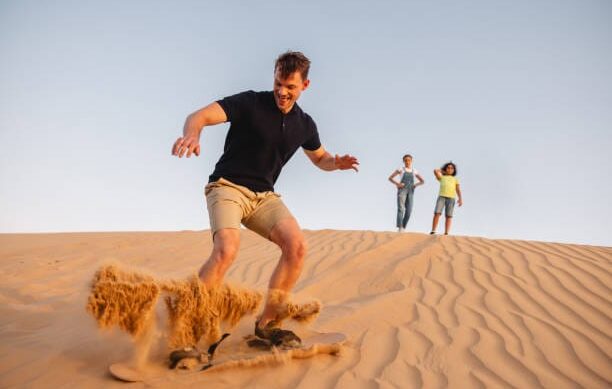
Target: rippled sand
[419, 310]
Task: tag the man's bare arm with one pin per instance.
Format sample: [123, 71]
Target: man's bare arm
[190, 141]
[325, 161]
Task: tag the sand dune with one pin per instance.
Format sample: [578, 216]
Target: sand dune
[419, 311]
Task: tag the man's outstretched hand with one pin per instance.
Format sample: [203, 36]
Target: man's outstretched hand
[186, 146]
[346, 162]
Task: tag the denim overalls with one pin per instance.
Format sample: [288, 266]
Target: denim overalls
[404, 199]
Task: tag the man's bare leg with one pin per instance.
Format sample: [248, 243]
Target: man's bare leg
[225, 248]
[288, 236]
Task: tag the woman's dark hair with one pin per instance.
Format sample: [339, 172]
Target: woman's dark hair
[449, 164]
[407, 155]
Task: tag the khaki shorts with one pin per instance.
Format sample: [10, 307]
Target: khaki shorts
[230, 204]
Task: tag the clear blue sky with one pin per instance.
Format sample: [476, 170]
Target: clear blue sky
[517, 93]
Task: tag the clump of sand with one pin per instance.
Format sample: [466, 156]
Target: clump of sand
[123, 298]
[196, 311]
[127, 299]
[285, 308]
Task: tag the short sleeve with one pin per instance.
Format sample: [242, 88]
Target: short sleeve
[313, 143]
[236, 105]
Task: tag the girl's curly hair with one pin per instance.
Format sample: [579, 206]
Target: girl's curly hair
[451, 163]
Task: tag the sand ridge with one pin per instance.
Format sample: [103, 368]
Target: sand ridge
[419, 311]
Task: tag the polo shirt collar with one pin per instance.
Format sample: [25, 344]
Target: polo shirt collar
[295, 109]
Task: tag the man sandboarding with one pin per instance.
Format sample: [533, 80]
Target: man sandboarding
[266, 129]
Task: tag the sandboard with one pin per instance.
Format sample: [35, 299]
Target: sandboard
[124, 372]
[317, 343]
[238, 355]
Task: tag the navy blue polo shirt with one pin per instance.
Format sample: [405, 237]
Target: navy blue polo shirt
[261, 139]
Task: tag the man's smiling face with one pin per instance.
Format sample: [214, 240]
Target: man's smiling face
[288, 90]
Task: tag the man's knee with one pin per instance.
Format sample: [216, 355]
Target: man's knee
[294, 257]
[226, 246]
[295, 249]
[226, 253]
[288, 236]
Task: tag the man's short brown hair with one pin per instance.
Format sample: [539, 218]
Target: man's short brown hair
[290, 62]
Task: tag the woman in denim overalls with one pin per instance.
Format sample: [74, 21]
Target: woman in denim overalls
[405, 191]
